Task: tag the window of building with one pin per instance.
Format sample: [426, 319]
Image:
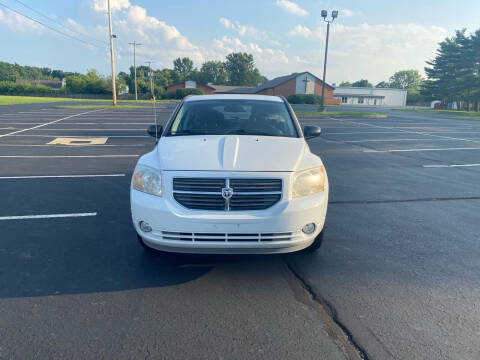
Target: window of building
[344, 99]
[360, 100]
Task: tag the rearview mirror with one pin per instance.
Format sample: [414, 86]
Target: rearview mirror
[310, 131]
[155, 131]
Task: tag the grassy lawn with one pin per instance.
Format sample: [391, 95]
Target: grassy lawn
[459, 114]
[14, 100]
[363, 114]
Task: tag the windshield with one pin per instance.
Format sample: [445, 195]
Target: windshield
[233, 117]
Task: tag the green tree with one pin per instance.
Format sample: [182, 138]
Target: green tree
[182, 68]
[382, 84]
[242, 71]
[345, 83]
[407, 80]
[213, 72]
[362, 83]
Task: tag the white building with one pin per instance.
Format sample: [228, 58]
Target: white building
[370, 96]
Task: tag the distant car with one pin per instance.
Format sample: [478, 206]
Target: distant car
[230, 174]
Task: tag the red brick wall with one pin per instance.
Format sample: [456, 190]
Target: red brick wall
[288, 88]
[329, 99]
[173, 88]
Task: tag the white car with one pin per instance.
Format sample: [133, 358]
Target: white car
[230, 174]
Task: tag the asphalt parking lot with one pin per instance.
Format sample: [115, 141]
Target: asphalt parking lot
[398, 276]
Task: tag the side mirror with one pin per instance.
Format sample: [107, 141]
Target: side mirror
[310, 132]
[155, 131]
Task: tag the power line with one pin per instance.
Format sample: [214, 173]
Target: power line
[57, 22]
[50, 28]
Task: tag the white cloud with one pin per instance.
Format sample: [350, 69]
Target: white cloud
[292, 7]
[269, 61]
[101, 5]
[346, 12]
[301, 30]
[374, 52]
[244, 30]
[18, 23]
[225, 22]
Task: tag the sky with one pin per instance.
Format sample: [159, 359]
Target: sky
[369, 40]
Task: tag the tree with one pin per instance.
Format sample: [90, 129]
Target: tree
[362, 83]
[213, 72]
[406, 80]
[242, 71]
[182, 68]
[382, 84]
[345, 83]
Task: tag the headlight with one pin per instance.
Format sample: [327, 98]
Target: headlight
[147, 180]
[308, 182]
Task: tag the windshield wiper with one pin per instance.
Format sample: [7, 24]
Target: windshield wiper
[188, 132]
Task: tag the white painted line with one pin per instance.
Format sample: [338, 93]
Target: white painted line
[49, 123]
[76, 146]
[414, 150]
[375, 140]
[25, 217]
[59, 176]
[450, 166]
[141, 129]
[80, 136]
[65, 156]
[361, 132]
[405, 131]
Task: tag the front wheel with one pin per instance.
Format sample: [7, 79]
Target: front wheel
[316, 243]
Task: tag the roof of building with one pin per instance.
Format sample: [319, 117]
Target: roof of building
[196, 82]
[366, 88]
[234, 97]
[283, 79]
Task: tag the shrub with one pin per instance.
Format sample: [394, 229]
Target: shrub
[181, 93]
[11, 88]
[305, 99]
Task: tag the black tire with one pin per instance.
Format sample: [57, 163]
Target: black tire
[316, 243]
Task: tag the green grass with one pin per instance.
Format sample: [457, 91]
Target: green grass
[14, 100]
[458, 114]
[105, 106]
[364, 114]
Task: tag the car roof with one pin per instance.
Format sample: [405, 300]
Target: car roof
[233, 97]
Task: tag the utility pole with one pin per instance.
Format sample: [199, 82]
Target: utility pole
[151, 79]
[135, 66]
[334, 16]
[114, 89]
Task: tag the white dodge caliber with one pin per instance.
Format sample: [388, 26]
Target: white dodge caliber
[230, 174]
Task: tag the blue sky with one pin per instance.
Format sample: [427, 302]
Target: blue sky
[370, 39]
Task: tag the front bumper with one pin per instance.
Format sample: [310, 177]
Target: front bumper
[274, 230]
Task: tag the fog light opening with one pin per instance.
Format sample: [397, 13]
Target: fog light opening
[144, 226]
[309, 229]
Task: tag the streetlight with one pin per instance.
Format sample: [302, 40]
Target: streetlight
[324, 16]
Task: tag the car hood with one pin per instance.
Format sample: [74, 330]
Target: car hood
[230, 153]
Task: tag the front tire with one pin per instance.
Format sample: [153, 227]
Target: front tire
[316, 243]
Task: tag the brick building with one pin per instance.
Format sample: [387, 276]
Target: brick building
[189, 84]
[296, 83]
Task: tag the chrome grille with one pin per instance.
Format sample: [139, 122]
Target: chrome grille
[225, 237]
[206, 193]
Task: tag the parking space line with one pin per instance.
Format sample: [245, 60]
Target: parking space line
[49, 216]
[60, 176]
[375, 140]
[65, 156]
[450, 166]
[414, 150]
[49, 123]
[80, 136]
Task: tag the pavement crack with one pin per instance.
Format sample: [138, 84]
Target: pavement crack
[335, 328]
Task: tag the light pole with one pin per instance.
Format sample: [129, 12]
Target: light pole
[324, 16]
[135, 44]
[112, 58]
